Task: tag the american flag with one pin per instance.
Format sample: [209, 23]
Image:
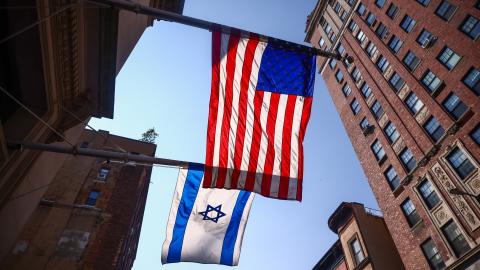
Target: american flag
[260, 104]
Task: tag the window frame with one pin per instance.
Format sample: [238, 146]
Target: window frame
[407, 26]
[475, 85]
[337, 74]
[391, 132]
[346, 92]
[451, 242]
[449, 9]
[434, 81]
[92, 200]
[382, 63]
[445, 60]
[436, 254]
[380, 154]
[459, 108]
[475, 25]
[413, 108]
[438, 131]
[413, 218]
[351, 242]
[459, 169]
[410, 163]
[394, 182]
[357, 108]
[399, 82]
[102, 174]
[428, 194]
[377, 109]
[365, 93]
[411, 61]
[474, 134]
[392, 11]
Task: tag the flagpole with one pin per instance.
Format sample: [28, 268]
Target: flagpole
[108, 155]
[207, 25]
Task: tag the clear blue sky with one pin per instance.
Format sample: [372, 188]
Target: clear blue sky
[165, 83]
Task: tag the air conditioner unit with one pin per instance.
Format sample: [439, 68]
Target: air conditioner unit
[368, 130]
[427, 43]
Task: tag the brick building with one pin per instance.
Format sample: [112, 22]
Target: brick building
[91, 213]
[364, 241]
[410, 105]
[63, 69]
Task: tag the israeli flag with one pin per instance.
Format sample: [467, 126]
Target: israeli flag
[205, 225]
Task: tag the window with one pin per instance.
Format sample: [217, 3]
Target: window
[460, 163]
[370, 19]
[428, 193]
[333, 38]
[357, 251]
[364, 123]
[407, 23]
[351, 2]
[377, 109]
[340, 49]
[434, 129]
[84, 144]
[414, 103]
[361, 36]
[356, 75]
[411, 61]
[391, 132]
[396, 81]
[410, 212]
[339, 76]
[392, 11]
[321, 42]
[327, 28]
[361, 9]
[332, 63]
[92, 197]
[381, 31]
[395, 43]
[471, 27]
[424, 37]
[355, 106]
[455, 238]
[337, 7]
[352, 26]
[433, 255]
[382, 63]
[445, 10]
[344, 16]
[366, 91]
[455, 107]
[472, 80]
[380, 3]
[103, 173]
[448, 58]
[431, 81]
[346, 90]
[408, 160]
[378, 150]
[392, 178]
[371, 49]
[423, 2]
[475, 134]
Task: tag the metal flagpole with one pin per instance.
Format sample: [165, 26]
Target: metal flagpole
[109, 155]
[175, 17]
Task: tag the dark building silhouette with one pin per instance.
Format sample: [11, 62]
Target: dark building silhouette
[410, 105]
[91, 213]
[63, 69]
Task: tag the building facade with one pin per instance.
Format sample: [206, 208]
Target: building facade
[410, 105]
[91, 213]
[62, 69]
[364, 241]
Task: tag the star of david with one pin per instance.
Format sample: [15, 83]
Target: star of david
[209, 209]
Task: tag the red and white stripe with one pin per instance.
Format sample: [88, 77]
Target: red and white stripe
[254, 138]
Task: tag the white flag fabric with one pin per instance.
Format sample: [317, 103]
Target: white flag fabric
[205, 225]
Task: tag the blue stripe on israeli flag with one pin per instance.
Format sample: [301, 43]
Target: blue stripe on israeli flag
[205, 225]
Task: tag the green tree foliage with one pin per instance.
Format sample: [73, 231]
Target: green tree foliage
[149, 136]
